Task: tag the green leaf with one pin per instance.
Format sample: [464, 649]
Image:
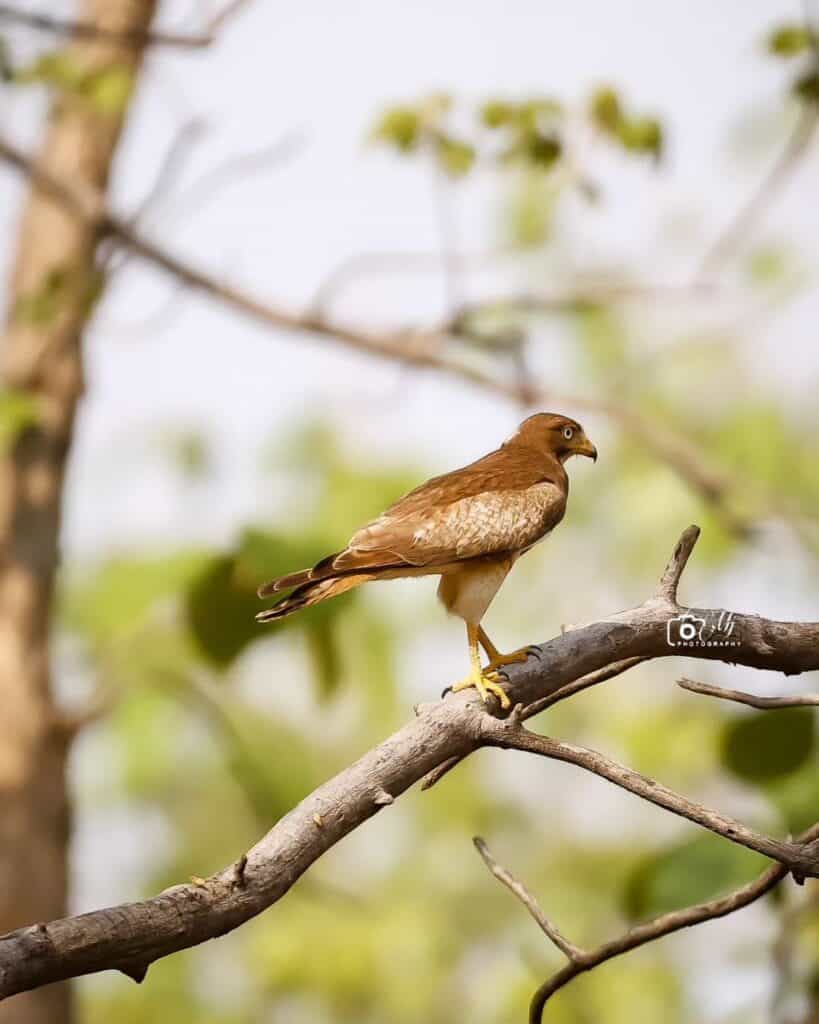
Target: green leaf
[57, 68]
[796, 796]
[110, 89]
[497, 113]
[806, 87]
[605, 109]
[116, 600]
[641, 135]
[107, 89]
[221, 609]
[543, 150]
[456, 157]
[399, 127]
[18, 410]
[693, 871]
[324, 651]
[41, 306]
[790, 40]
[765, 746]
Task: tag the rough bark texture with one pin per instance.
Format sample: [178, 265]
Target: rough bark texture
[131, 936]
[52, 287]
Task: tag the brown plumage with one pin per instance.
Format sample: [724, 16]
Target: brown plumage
[468, 527]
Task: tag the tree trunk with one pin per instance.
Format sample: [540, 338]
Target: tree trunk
[53, 286]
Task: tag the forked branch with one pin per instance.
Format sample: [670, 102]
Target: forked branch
[581, 960]
[132, 936]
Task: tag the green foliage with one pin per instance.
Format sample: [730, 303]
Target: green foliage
[60, 287]
[117, 600]
[806, 87]
[400, 127]
[529, 132]
[531, 211]
[6, 64]
[221, 605]
[790, 40]
[693, 871]
[796, 795]
[18, 411]
[40, 308]
[455, 156]
[759, 747]
[637, 134]
[106, 89]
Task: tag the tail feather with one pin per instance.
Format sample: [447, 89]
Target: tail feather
[321, 570]
[309, 594]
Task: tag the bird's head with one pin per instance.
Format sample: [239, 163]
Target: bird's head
[560, 435]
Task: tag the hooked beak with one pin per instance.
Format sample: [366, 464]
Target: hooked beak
[588, 449]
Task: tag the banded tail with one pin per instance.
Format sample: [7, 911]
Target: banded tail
[328, 578]
[307, 594]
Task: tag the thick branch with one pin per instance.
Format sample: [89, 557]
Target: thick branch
[809, 700]
[132, 936]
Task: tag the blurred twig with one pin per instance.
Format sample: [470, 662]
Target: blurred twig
[751, 699]
[736, 232]
[157, 37]
[550, 930]
[420, 348]
[581, 961]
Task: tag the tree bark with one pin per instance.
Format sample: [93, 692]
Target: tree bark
[53, 285]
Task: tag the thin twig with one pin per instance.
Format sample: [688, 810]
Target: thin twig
[511, 737]
[156, 37]
[550, 930]
[602, 675]
[734, 235]
[751, 699]
[660, 926]
[420, 349]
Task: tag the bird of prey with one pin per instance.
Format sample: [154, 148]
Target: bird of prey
[469, 527]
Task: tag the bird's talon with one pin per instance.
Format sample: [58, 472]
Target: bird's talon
[483, 682]
[500, 661]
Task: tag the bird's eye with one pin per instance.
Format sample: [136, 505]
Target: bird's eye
[567, 433]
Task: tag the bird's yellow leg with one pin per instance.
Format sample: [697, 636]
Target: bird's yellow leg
[496, 659]
[484, 680]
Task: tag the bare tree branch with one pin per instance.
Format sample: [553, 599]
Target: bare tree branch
[132, 936]
[510, 735]
[581, 961]
[600, 675]
[550, 930]
[157, 37]
[735, 234]
[751, 699]
[666, 591]
[420, 348]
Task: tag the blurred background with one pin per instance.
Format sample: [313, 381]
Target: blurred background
[606, 210]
